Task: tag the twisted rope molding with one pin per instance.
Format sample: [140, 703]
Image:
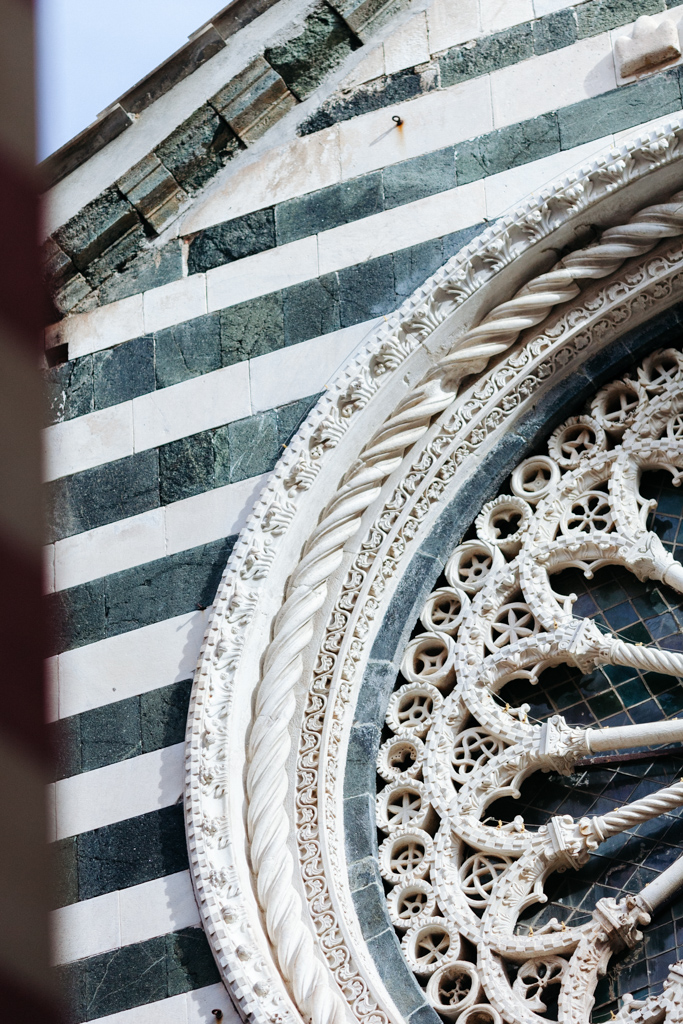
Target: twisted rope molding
[270, 744]
[614, 822]
[461, 277]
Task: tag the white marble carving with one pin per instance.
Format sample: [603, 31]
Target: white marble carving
[651, 44]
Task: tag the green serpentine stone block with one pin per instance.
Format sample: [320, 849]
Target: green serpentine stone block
[307, 58]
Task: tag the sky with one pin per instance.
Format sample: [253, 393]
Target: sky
[91, 51]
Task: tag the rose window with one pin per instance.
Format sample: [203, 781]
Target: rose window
[530, 783]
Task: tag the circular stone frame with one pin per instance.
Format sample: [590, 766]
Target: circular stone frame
[354, 515]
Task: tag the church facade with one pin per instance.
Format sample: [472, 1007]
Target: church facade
[364, 567]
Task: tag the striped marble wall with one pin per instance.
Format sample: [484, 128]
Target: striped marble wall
[171, 402]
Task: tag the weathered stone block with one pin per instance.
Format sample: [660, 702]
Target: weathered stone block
[198, 148]
[363, 872]
[366, 290]
[403, 986]
[360, 830]
[329, 207]
[232, 240]
[91, 140]
[70, 985]
[619, 109]
[555, 31]
[486, 55]
[382, 92]
[251, 328]
[367, 16]
[414, 265]
[110, 734]
[370, 906]
[422, 176]
[220, 441]
[113, 258]
[69, 390]
[187, 350]
[163, 715]
[379, 680]
[190, 962]
[125, 977]
[70, 294]
[602, 15]
[66, 286]
[254, 446]
[166, 587]
[103, 495]
[65, 742]
[311, 309]
[290, 417]
[131, 852]
[508, 147]
[96, 227]
[254, 100]
[416, 583]
[454, 242]
[361, 771]
[64, 858]
[185, 467]
[153, 191]
[149, 269]
[305, 60]
[76, 616]
[123, 372]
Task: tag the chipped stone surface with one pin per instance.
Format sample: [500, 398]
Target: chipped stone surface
[306, 59]
[650, 45]
[254, 100]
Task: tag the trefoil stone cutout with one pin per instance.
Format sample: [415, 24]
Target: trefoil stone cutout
[460, 879]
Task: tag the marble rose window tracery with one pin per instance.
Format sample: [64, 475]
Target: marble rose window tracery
[530, 783]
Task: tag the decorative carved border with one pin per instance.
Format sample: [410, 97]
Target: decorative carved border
[497, 399]
[309, 471]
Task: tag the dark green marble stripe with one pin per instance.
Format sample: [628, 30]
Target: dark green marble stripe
[266, 324]
[118, 731]
[135, 975]
[136, 597]
[201, 462]
[118, 856]
[344, 298]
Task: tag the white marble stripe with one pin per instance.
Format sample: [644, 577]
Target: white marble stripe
[121, 918]
[221, 396]
[125, 665]
[150, 535]
[429, 124]
[201, 403]
[188, 1008]
[118, 791]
